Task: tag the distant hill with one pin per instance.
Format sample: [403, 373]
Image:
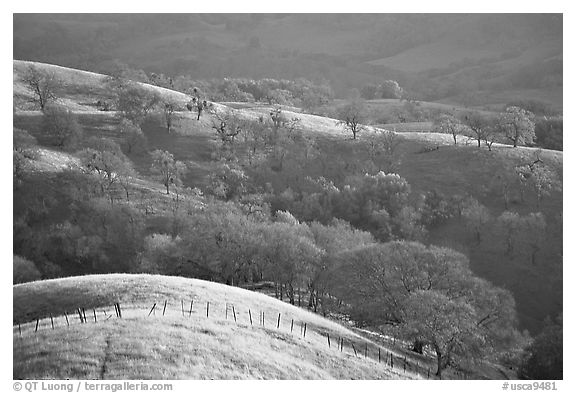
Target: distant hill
[436, 56]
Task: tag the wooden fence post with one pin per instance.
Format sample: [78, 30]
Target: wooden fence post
[391, 360]
[95, 321]
[164, 309]
[37, 322]
[278, 325]
[51, 321]
[378, 354]
[119, 310]
[354, 348]
[182, 303]
[191, 304]
[19, 329]
[328, 335]
[234, 313]
[250, 315]
[80, 314]
[66, 315]
[152, 309]
[226, 314]
[207, 309]
[84, 314]
[366, 351]
[292, 325]
[304, 330]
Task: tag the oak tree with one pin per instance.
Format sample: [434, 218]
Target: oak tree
[168, 169]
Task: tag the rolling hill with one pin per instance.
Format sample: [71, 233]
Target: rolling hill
[449, 169]
[179, 341]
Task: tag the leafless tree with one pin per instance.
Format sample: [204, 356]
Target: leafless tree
[350, 116]
[42, 84]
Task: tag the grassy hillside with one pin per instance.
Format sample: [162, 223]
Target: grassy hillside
[178, 345]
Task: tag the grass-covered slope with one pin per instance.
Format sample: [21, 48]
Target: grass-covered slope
[178, 345]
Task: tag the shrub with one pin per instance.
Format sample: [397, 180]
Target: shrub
[549, 133]
[24, 270]
[61, 125]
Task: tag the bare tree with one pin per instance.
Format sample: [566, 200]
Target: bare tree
[448, 124]
[492, 132]
[42, 84]
[104, 158]
[534, 228]
[227, 125]
[382, 150]
[168, 110]
[477, 124]
[477, 216]
[350, 116]
[511, 223]
[537, 175]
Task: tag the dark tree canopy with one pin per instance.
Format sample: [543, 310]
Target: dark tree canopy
[543, 357]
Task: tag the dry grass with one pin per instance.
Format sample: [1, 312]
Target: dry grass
[177, 346]
[80, 89]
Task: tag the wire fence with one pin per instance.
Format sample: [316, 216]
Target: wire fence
[357, 347]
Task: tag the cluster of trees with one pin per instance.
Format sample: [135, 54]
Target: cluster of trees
[377, 203]
[549, 132]
[543, 356]
[515, 126]
[427, 295]
[300, 92]
[386, 89]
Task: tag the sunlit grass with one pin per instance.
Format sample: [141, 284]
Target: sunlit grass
[178, 345]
